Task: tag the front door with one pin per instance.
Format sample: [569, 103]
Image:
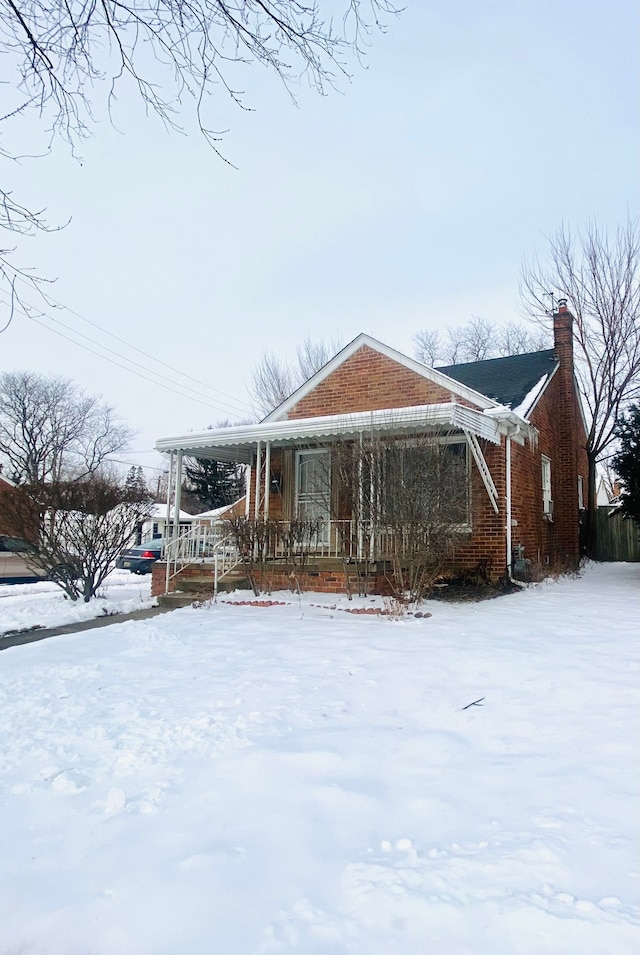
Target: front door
[313, 489]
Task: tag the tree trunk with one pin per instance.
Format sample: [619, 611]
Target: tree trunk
[590, 531]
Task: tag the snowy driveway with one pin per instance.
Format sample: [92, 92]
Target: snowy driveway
[242, 781]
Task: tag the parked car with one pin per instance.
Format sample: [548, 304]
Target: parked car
[140, 559]
[14, 565]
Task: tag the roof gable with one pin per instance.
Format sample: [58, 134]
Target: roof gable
[432, 375]
[508, 380]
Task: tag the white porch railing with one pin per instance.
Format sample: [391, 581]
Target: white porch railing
[340, 540]
[202, 544]
[333, 539]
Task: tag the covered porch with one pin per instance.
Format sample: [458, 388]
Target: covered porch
[300, 494]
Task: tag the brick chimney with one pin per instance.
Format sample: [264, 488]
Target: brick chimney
[563, 335]
[566, 469]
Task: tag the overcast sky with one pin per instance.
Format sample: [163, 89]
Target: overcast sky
[406, 201]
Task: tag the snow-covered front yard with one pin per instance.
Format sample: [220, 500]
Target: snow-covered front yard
[247, 781]
[42, 604]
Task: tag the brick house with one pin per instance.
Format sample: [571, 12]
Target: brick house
[6, 488]
[516, 422]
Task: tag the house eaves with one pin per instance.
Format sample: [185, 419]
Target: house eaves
[239, 442]
[363, 340]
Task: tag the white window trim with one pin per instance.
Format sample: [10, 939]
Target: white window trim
[312, 451]
[547, 500]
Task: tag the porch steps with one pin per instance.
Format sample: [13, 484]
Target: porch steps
[190, 589]
[178, 599]
[357, 583]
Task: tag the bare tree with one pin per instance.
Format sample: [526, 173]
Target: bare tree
[597, 272]
[52, 431]
[65, 60]
[273, 379]
[79, 528]
[428, 347]
[20, 221]
[477, 340]
[514, 338]
[408, 498]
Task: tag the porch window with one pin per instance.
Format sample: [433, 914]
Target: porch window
[426, 479]
[547, 502]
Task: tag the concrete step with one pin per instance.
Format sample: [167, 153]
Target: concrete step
[231, 582]
[190, 589]
[200, 584]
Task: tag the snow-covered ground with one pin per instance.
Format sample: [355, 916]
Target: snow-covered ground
[248, 781]
[23, 606]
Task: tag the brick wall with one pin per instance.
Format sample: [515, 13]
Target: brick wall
[487, 540]
[562, 439]
[369, 381]
[6, 490]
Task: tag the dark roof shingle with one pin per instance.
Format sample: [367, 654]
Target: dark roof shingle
[506, 380]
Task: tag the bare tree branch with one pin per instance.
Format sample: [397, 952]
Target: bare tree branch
[51, 431]
[273, 380]
[598, 273]
[63, 59]
[79, 528]
[477, 340]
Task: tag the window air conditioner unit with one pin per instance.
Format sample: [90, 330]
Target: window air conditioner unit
[548, 510]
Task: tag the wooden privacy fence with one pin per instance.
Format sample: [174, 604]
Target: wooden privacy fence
[617, 537]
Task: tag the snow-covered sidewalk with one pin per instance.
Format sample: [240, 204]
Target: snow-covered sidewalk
[243, 781]
[23, 606]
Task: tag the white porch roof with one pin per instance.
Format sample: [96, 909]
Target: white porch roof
[238, 442]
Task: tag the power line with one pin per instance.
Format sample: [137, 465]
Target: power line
[219, 406]
[242, 404]
[131, 361]
[117, 363]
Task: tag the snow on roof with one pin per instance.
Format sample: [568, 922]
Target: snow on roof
[216, 511]
[160, 510]
[531, 397]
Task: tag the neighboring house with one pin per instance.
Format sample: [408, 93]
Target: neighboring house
[15, 566]
[6, 488]
[607, 489]
[218, 515]
[154, 527]
[516, 422]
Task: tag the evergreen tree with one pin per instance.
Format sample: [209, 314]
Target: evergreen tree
[136, 483]
[215, 483]
[627, 461]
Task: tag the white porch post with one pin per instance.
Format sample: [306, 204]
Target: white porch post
[256, 506]
[372, 507]
[247, 491]
[267, 478]
[168, 523]
[360, 503]
[178, 497]
[508, 494]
